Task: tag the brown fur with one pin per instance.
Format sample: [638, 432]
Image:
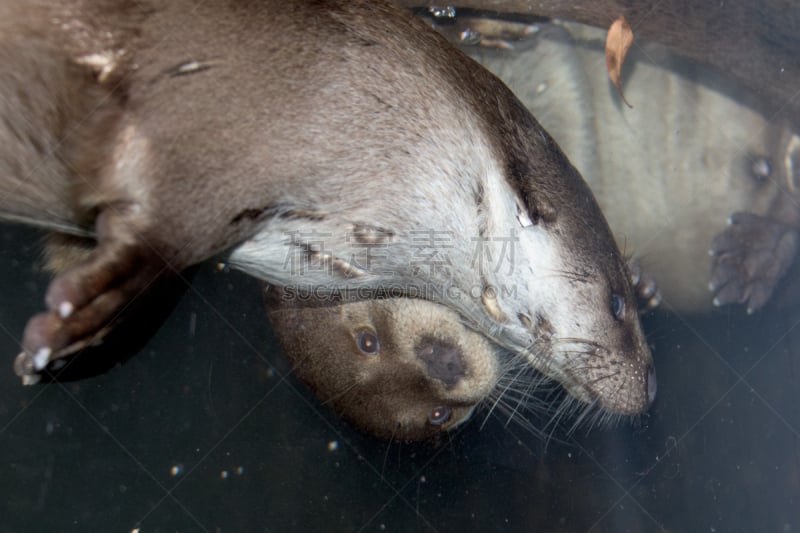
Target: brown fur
[227, 126]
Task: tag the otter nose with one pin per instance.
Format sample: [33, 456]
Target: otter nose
[652, 386]
[443, 360]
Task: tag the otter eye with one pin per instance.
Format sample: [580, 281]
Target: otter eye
[617, 305]
[367, 342]
[439, 415]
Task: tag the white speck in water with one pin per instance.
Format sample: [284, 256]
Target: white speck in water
[224, 474]
[239, 470]
[192, 324]
[542, 87]
[333, 446]
[176, 470]
[270, 373]
[135, 530]
[49, 428]
[439, 12]
[222, 266]
[423, 479]
[382, 527]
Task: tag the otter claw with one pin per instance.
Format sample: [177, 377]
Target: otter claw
[41, 358]
[85, 301]
[29, 365]
[749, 259]
[644, 286]
[65, 309]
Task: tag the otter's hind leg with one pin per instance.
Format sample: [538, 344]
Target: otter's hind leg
[86, 300]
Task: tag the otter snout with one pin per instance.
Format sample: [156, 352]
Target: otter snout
[443, 360]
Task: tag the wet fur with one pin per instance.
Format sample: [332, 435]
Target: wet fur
[227, 128]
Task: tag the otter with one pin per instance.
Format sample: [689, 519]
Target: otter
[312, 148]
[409, 369]
[557, 70]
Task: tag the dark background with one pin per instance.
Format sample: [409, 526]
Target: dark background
[210, 396]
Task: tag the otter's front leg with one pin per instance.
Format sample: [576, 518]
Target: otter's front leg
[749, 259]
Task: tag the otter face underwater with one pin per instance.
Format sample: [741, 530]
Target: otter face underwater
[314, 149]
[409, 369]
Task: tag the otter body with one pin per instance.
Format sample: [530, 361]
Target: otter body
[313, 148]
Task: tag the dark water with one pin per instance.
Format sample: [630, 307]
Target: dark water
[208, 397]
[206, 430]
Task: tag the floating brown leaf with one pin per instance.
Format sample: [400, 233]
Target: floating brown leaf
[618, 40]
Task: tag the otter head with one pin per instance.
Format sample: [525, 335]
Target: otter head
[398, 368]
[570, 301]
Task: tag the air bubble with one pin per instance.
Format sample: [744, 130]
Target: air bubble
[443, 12]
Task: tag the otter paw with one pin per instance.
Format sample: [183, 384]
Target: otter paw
[749, 259]
[68, 327]
[85, 302]
[25, 365]
[644, 286]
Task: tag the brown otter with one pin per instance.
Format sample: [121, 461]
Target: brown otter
[409, 369]
[559, 74]
[315, 149]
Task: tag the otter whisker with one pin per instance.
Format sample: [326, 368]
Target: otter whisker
[519, 403]
[339, 394]
[500, 395]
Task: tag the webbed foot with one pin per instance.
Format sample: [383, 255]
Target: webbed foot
[749, 259]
